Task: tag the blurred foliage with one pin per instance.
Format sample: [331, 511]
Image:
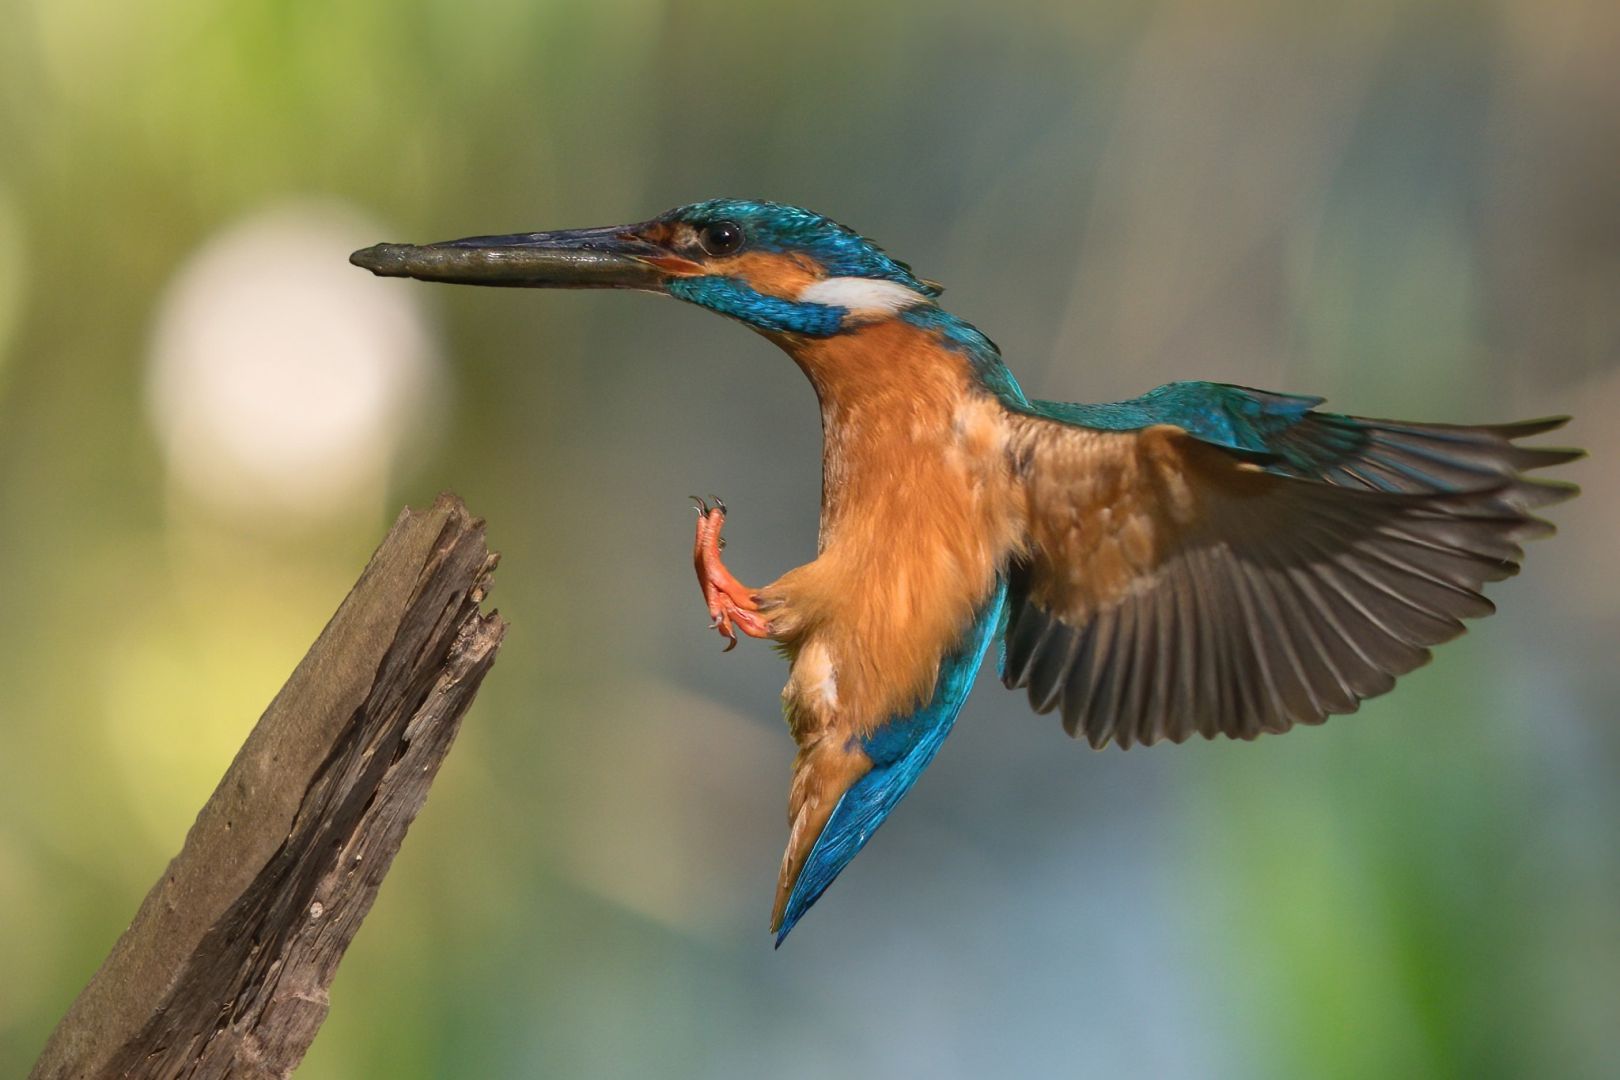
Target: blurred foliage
[1408, 206]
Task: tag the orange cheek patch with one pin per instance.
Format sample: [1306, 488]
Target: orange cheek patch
[770, 273]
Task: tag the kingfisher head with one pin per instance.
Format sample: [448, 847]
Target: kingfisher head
[782, 270]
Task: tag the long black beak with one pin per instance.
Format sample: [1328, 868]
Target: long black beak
[610, 258]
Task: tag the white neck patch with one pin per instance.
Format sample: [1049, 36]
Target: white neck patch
[862, 296]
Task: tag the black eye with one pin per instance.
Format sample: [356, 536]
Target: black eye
[721, 237]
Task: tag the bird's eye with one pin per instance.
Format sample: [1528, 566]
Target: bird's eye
[721, 238]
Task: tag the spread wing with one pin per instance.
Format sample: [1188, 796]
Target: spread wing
[1229, 562]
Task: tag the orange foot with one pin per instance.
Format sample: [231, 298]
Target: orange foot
[732, 605]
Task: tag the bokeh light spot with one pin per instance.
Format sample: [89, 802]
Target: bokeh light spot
[283, 380]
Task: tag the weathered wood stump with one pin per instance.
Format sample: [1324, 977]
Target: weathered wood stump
[225, 968]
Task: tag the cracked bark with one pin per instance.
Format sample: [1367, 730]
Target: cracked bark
[224, 970]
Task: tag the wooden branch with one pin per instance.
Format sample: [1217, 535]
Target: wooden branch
[225, 969]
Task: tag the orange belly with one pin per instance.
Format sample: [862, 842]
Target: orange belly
[920, 510]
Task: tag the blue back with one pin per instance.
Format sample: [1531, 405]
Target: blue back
[1236, 417]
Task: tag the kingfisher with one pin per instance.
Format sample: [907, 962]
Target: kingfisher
[1206, 559]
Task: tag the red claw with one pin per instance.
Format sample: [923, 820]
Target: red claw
[732, 605]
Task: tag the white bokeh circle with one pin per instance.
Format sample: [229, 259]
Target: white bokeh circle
[284, 380]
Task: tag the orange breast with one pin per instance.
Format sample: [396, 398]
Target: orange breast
[919, 511]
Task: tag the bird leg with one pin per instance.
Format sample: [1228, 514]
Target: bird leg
[732, 605]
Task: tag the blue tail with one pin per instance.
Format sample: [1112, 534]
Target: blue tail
[900, 750]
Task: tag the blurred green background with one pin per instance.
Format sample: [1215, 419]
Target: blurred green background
[207, 421]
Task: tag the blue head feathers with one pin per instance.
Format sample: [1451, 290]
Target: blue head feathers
[776, 228]
[756, 255]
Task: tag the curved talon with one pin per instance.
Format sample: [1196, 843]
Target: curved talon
[727, 631]
[732, 605]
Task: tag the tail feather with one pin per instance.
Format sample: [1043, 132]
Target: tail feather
[899, 751]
